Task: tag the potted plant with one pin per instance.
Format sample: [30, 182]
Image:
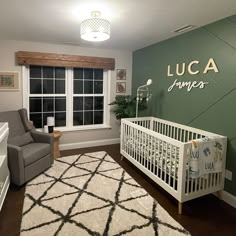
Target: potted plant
[125, 106]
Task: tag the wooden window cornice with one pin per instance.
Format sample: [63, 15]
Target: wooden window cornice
[54, 59]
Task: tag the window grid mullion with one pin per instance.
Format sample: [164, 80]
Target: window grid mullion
[93, 95]
[69, 96]
[41, 96]
[83, 97]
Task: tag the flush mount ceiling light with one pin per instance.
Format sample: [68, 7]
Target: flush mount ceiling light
[95, 29]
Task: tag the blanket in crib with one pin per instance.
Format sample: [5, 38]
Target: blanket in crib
[206, 157]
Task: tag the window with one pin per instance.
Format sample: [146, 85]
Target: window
[75, 97]
[47, 95]
[88, 97]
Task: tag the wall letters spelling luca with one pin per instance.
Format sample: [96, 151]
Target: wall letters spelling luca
[180, 70]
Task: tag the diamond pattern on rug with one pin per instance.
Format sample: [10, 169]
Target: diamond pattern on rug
[90, 194]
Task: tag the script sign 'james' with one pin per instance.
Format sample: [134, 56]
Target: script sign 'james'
[191, 69]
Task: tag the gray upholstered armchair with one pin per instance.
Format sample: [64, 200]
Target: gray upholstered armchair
[29, 152]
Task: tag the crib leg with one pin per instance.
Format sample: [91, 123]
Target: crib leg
[180, 208]
[219, 194]
[121, 158]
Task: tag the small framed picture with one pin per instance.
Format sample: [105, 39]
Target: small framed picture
[121, 74]
[9, 81]
[120, 87]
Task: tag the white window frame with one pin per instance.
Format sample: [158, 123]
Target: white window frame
[69, 99]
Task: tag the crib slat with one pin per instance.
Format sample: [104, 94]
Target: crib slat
[136, 144]
[214, 180]
[175, 168]
[145, 150]
[197, 184]
[187, 170]
[170, 174]
[160, 159]
[184, 137]
[165, 158]
[151, 153]
[154, 161]
[210, 180]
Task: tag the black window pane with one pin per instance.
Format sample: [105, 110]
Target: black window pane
[78, 86]
[88, 74]
[78, 73]
[60, 72]
[78, 118]
[37, 120]
[78, 103]
[35, 86]
[98, 87]
[88, 87]
[35, 105]
[60, 119]
[88, 117]
[98, 74]
[48, 72]
[88, 103]
[35, 72]
[60, 86]
[60, 104]
[98, 117]
[48, 86]
[48, 104]
[98, 103]
[45, 116]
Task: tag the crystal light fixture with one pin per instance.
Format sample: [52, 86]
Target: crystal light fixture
[95, 29]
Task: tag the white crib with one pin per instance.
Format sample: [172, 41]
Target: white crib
[161, 149]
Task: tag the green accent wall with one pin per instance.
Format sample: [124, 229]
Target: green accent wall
[212, 108]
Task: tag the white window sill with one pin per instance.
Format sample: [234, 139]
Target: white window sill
[83, 128]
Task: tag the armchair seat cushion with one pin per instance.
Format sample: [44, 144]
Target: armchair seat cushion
[35, 151]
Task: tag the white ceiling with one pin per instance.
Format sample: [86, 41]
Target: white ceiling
[135, 23]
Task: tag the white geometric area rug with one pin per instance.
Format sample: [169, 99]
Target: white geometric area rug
[90, 194]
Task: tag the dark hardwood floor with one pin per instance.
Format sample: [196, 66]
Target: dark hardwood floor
[203, 216]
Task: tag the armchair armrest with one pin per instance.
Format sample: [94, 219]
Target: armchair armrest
[44, 138]
[15, 164]
[40, 137]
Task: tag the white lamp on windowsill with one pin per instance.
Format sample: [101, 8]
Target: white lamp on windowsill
[50, 123]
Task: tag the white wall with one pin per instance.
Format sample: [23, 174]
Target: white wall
[13, 100]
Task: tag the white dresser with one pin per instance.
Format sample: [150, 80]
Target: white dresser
[4, 172]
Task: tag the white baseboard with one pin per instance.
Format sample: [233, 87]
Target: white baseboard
[229, 198]
[70, 146]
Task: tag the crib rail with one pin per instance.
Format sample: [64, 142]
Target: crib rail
[183, 135]
[180, 132]
[145, 122]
